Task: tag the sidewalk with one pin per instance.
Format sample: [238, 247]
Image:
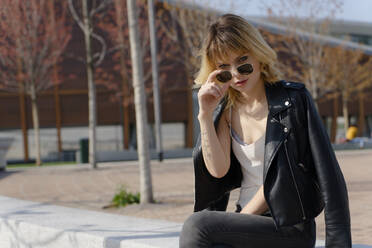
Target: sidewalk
[79, 186]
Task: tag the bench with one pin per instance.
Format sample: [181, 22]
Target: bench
[5, 143]
[32, 224]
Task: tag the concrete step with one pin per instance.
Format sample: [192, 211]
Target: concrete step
[32, 224]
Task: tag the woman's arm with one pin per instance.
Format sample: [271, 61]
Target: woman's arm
[215, 145]
[257, 205]
[331, 180]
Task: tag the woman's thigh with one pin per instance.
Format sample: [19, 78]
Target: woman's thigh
[237, 230]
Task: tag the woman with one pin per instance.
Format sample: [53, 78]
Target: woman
[265, 136]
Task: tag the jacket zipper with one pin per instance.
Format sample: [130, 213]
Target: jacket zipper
[294, 181]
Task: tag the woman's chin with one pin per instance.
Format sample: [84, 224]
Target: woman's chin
[244, 89]
[247, 87]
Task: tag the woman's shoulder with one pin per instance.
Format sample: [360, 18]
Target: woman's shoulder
[295, 90]
[292, 84]
[291, 88]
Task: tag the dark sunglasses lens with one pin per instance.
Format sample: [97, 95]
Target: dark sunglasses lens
[245, 69]
[224, 76]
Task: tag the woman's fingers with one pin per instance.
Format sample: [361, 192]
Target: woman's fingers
[216, 93]
[212, 75]
[218, 89]
[222, 88]
[212, 89]
[226, 85]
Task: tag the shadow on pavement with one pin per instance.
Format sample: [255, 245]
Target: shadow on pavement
[4, 173]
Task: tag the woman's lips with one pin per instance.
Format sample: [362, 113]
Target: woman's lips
[241, 82]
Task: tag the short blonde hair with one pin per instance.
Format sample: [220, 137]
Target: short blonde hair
[232, 33]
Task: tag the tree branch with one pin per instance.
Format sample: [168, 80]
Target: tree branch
[104, 48]
[76, 16]
[100, 7]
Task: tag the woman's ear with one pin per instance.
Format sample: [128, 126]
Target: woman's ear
[263, 67]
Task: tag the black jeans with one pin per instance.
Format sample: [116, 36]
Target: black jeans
[218, 229]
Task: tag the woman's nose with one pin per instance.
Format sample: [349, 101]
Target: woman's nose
[234, 72]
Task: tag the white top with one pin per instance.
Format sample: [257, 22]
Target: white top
[251, 158]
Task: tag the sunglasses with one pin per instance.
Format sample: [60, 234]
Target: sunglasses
[226, 76]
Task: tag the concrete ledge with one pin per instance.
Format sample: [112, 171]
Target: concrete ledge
[31, 224]
[5, 143]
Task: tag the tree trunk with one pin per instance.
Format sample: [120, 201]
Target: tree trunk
[140, 106]
[91, 86]
[190, 119]
[22, 106]
[314, 92]
[57, 108]
[334, 119]
[361, 117]
[24, 125]
[155, 79]
[124, 106]
[35, 119]
[345, 112]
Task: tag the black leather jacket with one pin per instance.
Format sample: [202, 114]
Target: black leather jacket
[301, 173]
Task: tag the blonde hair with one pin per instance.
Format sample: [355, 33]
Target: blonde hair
[232, 33]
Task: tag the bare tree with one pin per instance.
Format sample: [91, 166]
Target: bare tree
[187, 25]
[140, 105]
[89, 9]
[115, 24]
[301, 40]
[349, 74]
[155, 79]
[32, 39]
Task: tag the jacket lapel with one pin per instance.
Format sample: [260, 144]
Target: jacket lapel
[276, 131]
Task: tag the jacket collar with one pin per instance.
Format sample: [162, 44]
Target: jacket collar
[277, 127]
[277, 97]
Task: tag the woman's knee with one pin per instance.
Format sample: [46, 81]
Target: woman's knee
[193, 230]
[195, 222]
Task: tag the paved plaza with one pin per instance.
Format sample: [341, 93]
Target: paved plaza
[79, 186]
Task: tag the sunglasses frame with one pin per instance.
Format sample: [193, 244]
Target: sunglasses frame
[226, 76]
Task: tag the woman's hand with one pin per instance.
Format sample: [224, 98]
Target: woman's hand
[257, 205]
[210, 93]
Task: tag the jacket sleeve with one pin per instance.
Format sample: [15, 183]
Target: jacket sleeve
[331, 180]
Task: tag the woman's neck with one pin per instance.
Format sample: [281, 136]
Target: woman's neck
[253, 102]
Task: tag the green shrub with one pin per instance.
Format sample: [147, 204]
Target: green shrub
[123, 198]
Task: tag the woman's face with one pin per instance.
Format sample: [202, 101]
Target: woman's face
[241, 82]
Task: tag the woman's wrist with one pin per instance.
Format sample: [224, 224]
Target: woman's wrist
[205, 116]
[249, 211]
